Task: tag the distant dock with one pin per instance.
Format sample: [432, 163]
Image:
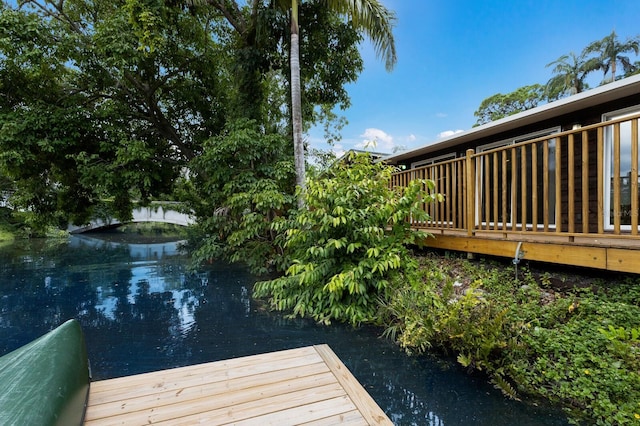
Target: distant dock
[309, 386]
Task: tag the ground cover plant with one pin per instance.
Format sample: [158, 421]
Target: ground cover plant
[573, 341]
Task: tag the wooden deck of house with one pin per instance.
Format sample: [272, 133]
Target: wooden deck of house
[309, 386]
[571, 198]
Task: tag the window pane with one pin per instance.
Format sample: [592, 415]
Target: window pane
[622, 177]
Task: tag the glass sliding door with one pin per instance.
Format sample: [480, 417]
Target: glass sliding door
[620, 170]
[502, 172]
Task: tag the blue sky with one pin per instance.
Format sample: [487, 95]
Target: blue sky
[454, 54]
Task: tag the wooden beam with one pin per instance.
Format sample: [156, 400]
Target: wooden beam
[558, 253]
[585, 181]
[600, 174]
[571, 189]
[471, 192]
[358, 395]
[623, 260]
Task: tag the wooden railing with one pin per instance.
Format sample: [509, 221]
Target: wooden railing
[577, 182]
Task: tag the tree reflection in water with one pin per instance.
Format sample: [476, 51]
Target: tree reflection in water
[141, 310]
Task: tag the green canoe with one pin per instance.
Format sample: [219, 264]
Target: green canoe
[46, 382]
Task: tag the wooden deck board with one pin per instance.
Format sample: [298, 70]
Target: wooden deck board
[300, 386]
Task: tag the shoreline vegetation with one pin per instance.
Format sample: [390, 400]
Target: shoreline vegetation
[571, 338]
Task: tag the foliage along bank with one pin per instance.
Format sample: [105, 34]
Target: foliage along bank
[575, 343]
[343, 250]
[346, 259]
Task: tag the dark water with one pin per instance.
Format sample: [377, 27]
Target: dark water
[142, 311]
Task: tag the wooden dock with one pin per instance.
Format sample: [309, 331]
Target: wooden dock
[309, 386]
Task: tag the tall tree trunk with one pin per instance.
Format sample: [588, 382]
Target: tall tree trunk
[296, 103]
[613, 69]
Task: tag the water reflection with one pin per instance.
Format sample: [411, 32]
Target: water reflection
[142, 311]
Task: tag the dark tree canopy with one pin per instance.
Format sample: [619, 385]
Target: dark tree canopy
[113, 100]
[499, 106]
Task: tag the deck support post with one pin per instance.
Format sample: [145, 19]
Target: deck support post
[471, 190]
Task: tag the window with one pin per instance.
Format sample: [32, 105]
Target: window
[444, 173]
[491, 164]
[433, 160]
[623, 176]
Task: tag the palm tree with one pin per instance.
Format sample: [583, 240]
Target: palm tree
[611, 52]
[377, 23]
[570, 72]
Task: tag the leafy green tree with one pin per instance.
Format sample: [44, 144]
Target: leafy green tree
[241, 183]
[369, 15]
[313, 75]
[499, 106]
[346, 247]
[611, 52]
[88, 113]
[633, 70]
[113, 100]
[570, 72]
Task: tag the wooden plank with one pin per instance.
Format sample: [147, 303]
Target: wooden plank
[534, 187]
[202, 412]
[494, 162]
[470, 190]
[545, 184]
[571, 189]
[523, 186]
[448, 196]
[461, 194]
[143, 384]
[564, 254]
[299, 386]
[616, 179]
[318, 412]
[352, 418]
[272, 383]
[454, 195]
[366, 405]
[514, 190]
[634, 177]
[567, 254]
[558, 184]
[623, 260]
[585, 181]
[600, 177]
[505, 192]
[487, 192]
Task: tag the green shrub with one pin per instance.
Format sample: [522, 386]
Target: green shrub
[346, 245]
[242, 181]
[576, 348]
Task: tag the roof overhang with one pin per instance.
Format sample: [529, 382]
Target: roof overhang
[600, 95]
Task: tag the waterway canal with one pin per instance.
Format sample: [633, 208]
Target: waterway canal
[142, 311]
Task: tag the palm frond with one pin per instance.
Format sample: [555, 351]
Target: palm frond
[376, 21]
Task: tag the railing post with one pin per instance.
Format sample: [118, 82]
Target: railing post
[471, 190]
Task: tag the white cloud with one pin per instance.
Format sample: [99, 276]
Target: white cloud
[411, 138]
[376, 139]
[338, 150]
[441, 115]
[448, 133]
